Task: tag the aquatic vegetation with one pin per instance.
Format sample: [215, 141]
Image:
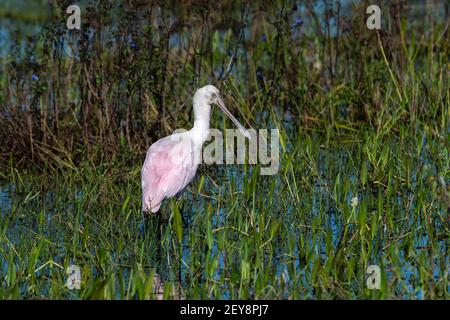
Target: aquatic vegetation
[364, 153]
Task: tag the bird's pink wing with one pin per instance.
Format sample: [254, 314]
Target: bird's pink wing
[167, 169]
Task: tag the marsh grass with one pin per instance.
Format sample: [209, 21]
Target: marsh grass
[361, 114]
[300, 239]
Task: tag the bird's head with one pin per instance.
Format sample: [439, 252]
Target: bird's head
[208, 95]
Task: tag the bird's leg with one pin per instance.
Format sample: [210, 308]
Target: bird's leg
[177, 288]
[144, 223]
[164, 217]
[149, 222]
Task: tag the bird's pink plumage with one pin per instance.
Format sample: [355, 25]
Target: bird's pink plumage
[168, 168]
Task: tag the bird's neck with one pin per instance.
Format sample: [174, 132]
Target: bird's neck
[200, 131]
[202, 113]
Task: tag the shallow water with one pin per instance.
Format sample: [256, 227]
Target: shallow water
[23, 228]
[77, 229]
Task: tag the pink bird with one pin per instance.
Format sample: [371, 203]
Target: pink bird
[171, 162]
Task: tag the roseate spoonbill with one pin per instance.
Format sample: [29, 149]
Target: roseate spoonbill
[170, 164]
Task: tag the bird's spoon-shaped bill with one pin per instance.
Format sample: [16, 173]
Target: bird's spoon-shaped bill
[236, 122]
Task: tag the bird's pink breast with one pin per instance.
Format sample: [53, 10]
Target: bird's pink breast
[168, 168]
